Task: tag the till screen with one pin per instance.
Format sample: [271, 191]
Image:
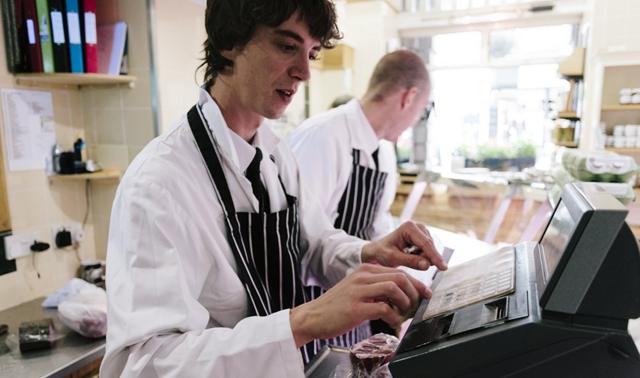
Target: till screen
[556, 237]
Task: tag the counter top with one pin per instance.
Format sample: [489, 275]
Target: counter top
[69, 353]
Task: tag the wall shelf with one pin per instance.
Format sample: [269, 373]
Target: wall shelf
[613, 108]
[105, 174]
[566, 144]
[78, 80]
[573, 65]
[568, 115]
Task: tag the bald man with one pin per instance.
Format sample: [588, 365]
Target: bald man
[346, 156]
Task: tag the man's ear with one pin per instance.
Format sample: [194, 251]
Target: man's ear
[408, 97]
[230, 54]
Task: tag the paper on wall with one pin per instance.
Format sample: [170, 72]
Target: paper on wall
[29, 131]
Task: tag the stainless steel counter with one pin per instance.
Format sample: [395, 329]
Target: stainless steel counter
[69, 353]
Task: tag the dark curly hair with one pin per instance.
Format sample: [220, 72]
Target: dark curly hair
[232, 23]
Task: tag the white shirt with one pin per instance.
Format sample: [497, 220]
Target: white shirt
[323, 146]
[176, 306]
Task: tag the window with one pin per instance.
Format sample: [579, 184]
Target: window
[493, 90]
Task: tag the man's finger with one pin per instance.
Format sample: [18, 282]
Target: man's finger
[390, 291]
[381, 310]
[413, 288]
[421, 238]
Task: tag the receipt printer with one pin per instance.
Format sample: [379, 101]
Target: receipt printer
[563, 314]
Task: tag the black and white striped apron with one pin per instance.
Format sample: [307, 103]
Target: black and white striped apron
[356, 212]
[265, 245]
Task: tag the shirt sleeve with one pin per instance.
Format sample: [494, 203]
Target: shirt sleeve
[157, 326]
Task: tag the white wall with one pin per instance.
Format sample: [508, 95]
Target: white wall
[178, 36]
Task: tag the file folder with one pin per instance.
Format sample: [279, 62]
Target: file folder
[60, 49]
[32, 35]
[46, 46]
[75, 36]
[89, 35]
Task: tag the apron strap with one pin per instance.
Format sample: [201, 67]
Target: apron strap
[199, 130]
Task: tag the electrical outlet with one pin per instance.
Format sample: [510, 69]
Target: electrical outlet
[18, 244]
[77, 234]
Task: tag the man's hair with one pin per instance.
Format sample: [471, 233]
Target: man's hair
[340, 100]
[401, 69]
[232, 23]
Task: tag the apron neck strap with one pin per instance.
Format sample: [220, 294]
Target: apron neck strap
[205, 144]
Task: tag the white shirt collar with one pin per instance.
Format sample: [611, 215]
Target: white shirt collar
[363, 137]
[232, 145]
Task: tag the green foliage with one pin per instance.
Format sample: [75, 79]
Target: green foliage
[487, 151]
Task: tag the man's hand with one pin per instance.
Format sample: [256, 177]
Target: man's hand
[370, 292]
[392, 249]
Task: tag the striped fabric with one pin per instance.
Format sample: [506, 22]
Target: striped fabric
[359, 203]
[265, 245]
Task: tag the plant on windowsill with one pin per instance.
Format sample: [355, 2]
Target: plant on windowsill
[498, 158]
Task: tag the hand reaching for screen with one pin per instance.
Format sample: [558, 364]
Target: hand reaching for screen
[370, 292]
[392, 250]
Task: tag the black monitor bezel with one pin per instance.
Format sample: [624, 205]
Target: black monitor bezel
[549, 283]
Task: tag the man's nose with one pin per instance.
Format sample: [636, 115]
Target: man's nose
[301, 69]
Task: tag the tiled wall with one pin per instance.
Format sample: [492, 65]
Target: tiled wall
[116, 123]
[37, 204]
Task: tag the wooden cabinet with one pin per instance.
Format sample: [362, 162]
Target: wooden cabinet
[5, 219]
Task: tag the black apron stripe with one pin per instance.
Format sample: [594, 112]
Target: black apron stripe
[351, 199]
[361, 199]
[353, 209]
[365, 219]
[371, 201]
[343, 205]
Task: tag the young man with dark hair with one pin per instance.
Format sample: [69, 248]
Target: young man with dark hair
[344, 158]
[211, 245]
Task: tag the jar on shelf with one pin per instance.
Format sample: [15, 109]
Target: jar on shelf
[626, 96]
[635, 96]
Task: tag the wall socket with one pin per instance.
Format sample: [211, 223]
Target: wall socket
[6, 265]
[77, 234]
[18, 244]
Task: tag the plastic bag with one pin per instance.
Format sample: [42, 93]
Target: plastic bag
[71, 288]
[86, 312]
[370, 357]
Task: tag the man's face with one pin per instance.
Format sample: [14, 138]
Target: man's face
[409, 116]
[267, 71]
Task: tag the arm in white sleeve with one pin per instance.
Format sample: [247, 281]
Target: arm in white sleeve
[158, 267]
[321, 163]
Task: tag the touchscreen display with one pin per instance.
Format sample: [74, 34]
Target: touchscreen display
[556, 237]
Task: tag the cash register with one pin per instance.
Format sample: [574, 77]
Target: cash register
[558, 307]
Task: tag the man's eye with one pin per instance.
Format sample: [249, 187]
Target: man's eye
[314, 57]
[287, 48]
